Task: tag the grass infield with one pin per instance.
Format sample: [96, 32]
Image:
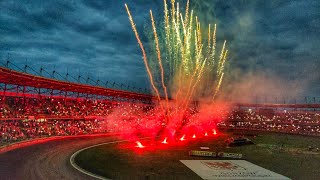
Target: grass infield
[289, 155]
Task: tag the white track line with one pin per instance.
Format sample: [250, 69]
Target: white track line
[74, 165]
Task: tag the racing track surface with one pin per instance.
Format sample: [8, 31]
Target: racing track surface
[48, 160]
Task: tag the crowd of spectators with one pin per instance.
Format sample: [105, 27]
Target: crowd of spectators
[19, 107]
[29, 118]
[18, 130]
[292, 122]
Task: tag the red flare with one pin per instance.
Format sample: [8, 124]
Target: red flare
[182, 138]
[214, 132]
[139, 145]
[194, 136]
[206, 134]
[164, 141]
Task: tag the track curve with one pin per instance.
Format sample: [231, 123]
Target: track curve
[49, 160]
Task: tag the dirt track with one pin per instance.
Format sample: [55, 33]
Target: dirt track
[49, 160]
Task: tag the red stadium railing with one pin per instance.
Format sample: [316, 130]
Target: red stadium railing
[8, 76]
[12, 77]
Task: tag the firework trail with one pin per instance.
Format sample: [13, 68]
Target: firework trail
[144, 54]
[159, 59]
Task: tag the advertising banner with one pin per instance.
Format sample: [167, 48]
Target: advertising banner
[230, 169]
[229, 155]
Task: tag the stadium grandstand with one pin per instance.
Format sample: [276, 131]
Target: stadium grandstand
[33, 106]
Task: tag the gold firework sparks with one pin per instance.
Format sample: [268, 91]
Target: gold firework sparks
[144, 53]
[159, 58]
[186, 56]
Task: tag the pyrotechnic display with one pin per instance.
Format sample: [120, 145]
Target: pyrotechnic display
[188, 64]
[187, 67]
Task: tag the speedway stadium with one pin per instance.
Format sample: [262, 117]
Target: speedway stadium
[184, 89]
[44, 121]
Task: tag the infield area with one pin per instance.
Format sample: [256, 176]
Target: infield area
[296, 157]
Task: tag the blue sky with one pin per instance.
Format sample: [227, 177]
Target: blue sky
[268, 39]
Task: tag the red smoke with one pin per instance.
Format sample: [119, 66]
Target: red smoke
[135, 121]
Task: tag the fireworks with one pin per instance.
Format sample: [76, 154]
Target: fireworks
[182, 138]
[139, 145]
[182, 65]
[214, 132]
[143, 52]
[187, 56]
[165, 141]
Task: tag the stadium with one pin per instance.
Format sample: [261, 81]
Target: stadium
[191, 120]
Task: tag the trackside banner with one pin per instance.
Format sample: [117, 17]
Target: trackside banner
[203, 153]
[229, 155]
[231, 169]
[214, 154]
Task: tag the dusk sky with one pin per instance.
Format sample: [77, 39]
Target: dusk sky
[269, 39]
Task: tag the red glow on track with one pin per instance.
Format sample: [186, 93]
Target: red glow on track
[214, 132]
[182, 138]
[206, 134]
[194, 136]
[139, 145]
[164, 141]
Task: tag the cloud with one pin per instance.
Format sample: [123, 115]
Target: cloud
[274, 37]
[95, 37]
[91, 37]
